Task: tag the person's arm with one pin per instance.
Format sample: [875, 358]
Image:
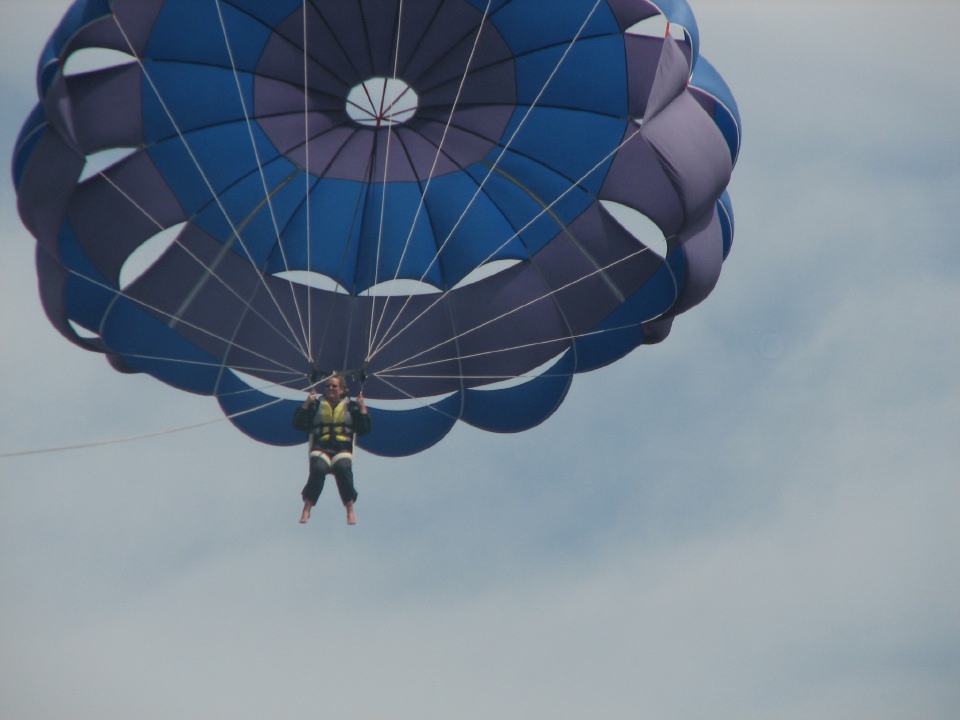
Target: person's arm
[302, 416]
[362, 424]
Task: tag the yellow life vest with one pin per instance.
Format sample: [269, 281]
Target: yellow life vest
[333, 423]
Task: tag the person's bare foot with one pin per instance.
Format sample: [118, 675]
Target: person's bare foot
[305, 515]
[351, 515]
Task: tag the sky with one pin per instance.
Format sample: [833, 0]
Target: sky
[761, 523]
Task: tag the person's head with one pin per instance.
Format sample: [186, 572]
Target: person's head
[335, 387]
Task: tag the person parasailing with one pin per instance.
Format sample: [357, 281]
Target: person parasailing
[331, 422]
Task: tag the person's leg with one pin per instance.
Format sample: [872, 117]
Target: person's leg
[343, 472]
[319, 467]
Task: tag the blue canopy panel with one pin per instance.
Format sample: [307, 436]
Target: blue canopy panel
[196, 32]
[622, 332]
[678, 12]
[170, 98]
[152, 346]
[495, 5]
[52, 280]
[725, 213]
[396, 238]
[589, 76]
[87, 293]
[257, 414]
[521, 407]
[197, 169]
[469, 225]
[569, 146]
[715, 96]
[332, 227]
[268, 13]
[529, 25]
[243, 218]
[405, 432]
[531, 226]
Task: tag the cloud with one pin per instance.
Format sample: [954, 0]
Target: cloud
[755, 518]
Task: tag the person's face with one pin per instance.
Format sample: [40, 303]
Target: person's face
[332, 390]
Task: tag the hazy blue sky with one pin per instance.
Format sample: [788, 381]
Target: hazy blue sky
[762, 525]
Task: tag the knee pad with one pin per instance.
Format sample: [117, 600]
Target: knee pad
[342, 459]
[320, 461]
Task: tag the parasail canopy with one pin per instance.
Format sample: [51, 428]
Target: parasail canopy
[466, 202]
